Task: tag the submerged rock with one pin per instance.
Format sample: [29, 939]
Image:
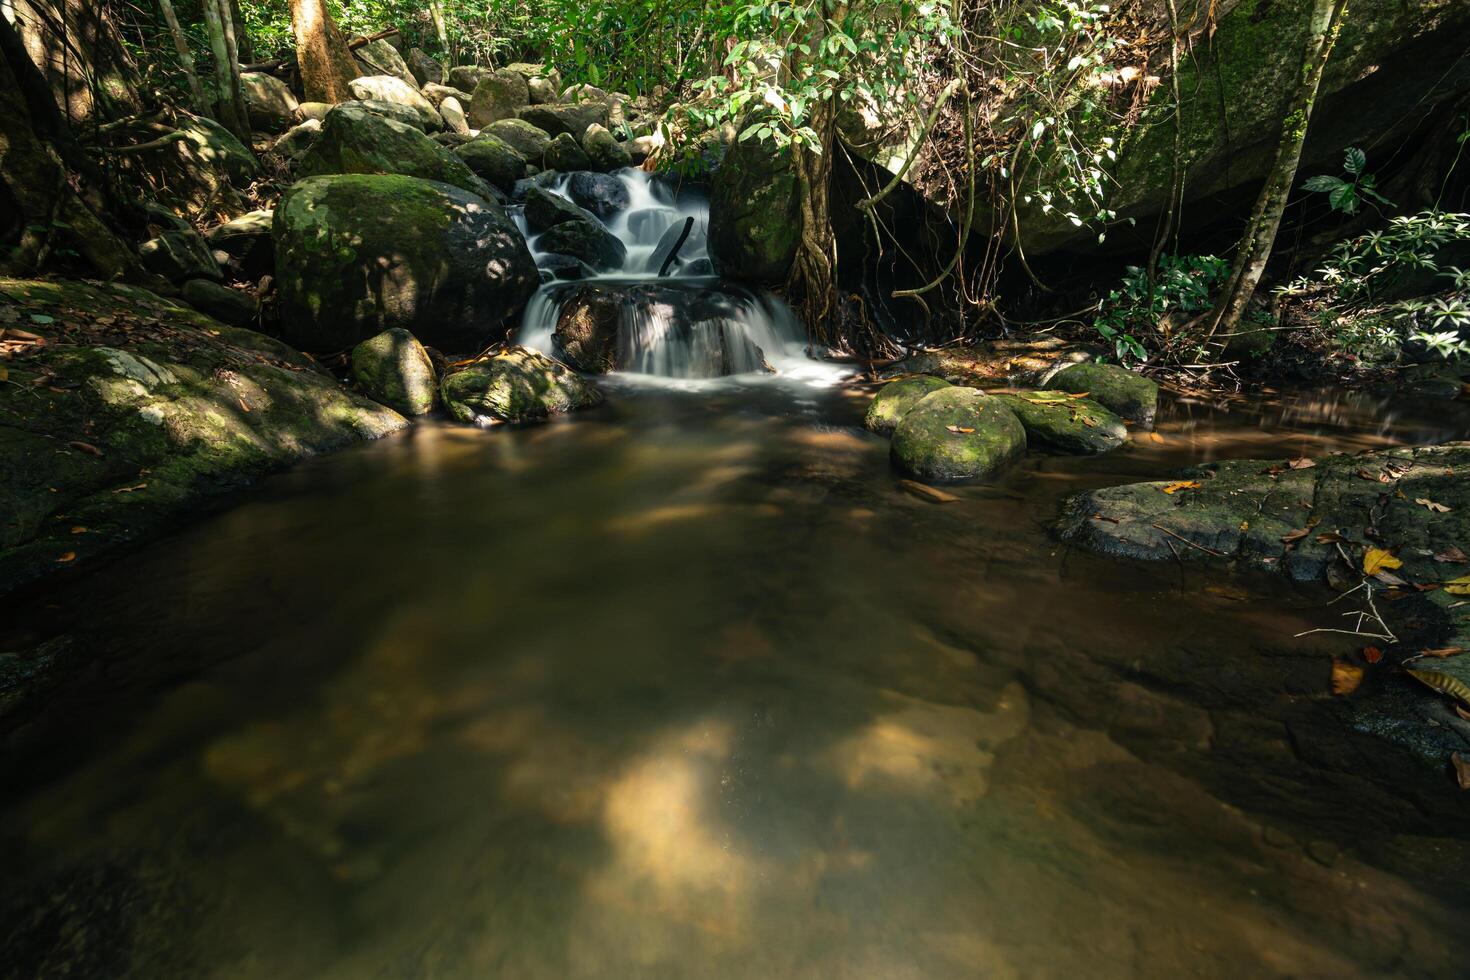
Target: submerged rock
[893, 402]
[957, 434]
[516, 385]
[357, 254]
[585, 239]
[354, 140]
[133, 426]
[1117, 389]
[1066, 424]
[602, 194]
[393, 369]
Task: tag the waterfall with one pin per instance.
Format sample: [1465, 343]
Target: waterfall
[688, 324]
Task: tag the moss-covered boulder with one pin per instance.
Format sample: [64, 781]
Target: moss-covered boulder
[297, 140]
[355, 140]
[389, 88]
[466, 77]
[1123, 392]
[209, 146]
[233, 306]
[572, 119]
[494, 160]
[426, 69]
[957, 434]
[564, 154]
[1065, 423]
[379, 58]
[529, 141]
[357, 254]
[135, 408]
[392, 110]
[544, 210]
[892, 403]
[393, 369]
[516, 385]
[499, 95]
[753, 226]
[606, 153]
[585, 240]
[179, 254]
[269, 102]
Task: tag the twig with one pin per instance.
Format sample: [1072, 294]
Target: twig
[1208, 551]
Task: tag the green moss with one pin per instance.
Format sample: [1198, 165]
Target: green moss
[957, 434]
[895, 399]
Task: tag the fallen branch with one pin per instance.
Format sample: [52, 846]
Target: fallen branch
[1208, 551]
[158, 144]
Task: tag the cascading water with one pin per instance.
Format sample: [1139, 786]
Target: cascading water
[689, 323]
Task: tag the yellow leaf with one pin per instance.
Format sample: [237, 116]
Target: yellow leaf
[1181, 485]
[1458, 586]
[1377, 559]
[1155, 437]
[1345, 677]
[1431, 506]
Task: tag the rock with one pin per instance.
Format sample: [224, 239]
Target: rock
[925, 447]
[498, 96]
[640, 148]
[393, 369]
[543, 179]
[438, 93]
[570, 119]
[426, 70]
[269, 102]
[453, 115]
[232, 306]
[527, 140]
[297, 140]
[587, 329]
[753, 222]
[387, 88]
[493, 160]
[358, 254]
[210, 146]
[601, 194]
[587, 240]
[247, 241]
[894, 400]
[451, 139]
[541, 91]
[314, 110]
[194, 405]
[693, 244]
[606, 153]
[466, 77]
[390, 110]
[516, 385]
[564, 267]
[179, 254]
[354, 140]
[1117, 389]
[544, 210]
[380, 58]
[1020, 361]
[564, 154]
[1068, 425]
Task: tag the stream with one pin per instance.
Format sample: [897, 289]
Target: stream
[690, 686]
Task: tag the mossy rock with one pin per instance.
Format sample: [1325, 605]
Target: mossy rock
[357, 254]
[1066, 424]
[393, 369]
[147, 409]
[208, 144]
[606, 153]
[753, 223]
[354, 140]
[498, 96]
[587, 240]
[516, 385]
[565, 154]
[955, 435]
[529, 141]
[1117, 389]
[558, 118]
[494, 160]
[389, 88]
[892, 403]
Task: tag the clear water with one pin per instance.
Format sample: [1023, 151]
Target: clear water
[689, 686]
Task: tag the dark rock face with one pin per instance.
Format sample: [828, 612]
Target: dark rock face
[752, 219]
[565, 154]
[358, 254]
[601, 194]
[354, 140]
[232, 306]
[546, 210]
[588, 240]
[426, 69]
[571, 119]
[179, 254]
[587, 329]
[564, 267]
[516, 385]
[493, 160]
[247, 242]
[694, 243]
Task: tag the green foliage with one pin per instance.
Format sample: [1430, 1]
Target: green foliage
[1184, 285]
[1347, 195]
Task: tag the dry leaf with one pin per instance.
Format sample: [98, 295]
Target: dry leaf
[959, 429]
[1452, 556]
[1461, 762]
[1431, 505]
[1292, 537]
[1345, 677]
[139, 486]
[1180, 485]
[1372, 654]
[86, 447]
[1442, 652]
[1301, 464]
[67, 556]
[1388, 578]
[927, 492]
[1104, 517]
[1458, 586]
[1331, 537]
[1155, 437]
[78, 530]
[1377, 559]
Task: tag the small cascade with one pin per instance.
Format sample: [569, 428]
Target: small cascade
[689, 323]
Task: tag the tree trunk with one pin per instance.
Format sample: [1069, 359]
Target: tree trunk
[812, 282]
[245, 51]
[326, 63]
[75, 46]
[232, 53]
[436, 11]
[186, 58]
[227, 93]
[1260, 234]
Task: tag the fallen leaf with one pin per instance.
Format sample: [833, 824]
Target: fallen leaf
[86, 447]
[1458, 586]
[1103, 517]
[1345, 677]
[1181, 485]
[1301, 464]
[927, 492]
[1377, 559]
[1292, 537]
[1388, 578]
[1442, 652]
[1245, 525]
[1155, 437]
[139, 486]
[1431, 506]
[1331, 537]
[78, 530]
[1461, 762]
[1372, 654]
[959, 429]
[1452, 556]
[67, 556]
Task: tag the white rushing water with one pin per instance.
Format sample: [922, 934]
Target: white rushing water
[687, 325]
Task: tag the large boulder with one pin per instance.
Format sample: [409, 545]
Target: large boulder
[498, 96]
[565, 154]
[957, 434]
[753, 221]
[245, 244]
[893, 402]
[541, 90]
[1117, 389]
[269, 102]
[606, 153]
[380, 57]
[179, 254]
[531, 142]
[494, 160]
[233, 306]
[516, 385]
[563, 118]
[1065, 423]
[388, 88]
[466, 77]
[357, 254]
[436, 94]
[544, 210]
[393, 369]
[602, 194]
[426, 69]
[587, 329]
[141, 411]
[355, 140]
[208, 146]
[297, 140]
[585, 239]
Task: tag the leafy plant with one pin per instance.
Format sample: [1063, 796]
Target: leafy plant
[1184, 285]
[1347, 195]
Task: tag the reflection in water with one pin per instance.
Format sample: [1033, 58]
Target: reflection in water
[690, 687]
